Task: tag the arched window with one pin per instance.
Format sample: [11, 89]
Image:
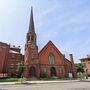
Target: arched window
[51, 58]
[32, 38]
[28, 37]
[32, 55]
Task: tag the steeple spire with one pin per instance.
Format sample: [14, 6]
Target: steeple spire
[31, 24]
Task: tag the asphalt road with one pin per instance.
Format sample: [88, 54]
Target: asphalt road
[50, 86]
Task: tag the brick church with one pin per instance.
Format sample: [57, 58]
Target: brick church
[46, 63]
[49, 61]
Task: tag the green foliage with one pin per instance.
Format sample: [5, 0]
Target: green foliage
[43, 75]
[21, 67]
[9, 79]
[79, 68]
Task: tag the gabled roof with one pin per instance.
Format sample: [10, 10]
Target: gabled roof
[46, 46]
[57, 50]
[68, 60]
[85, 59]
[5, 44]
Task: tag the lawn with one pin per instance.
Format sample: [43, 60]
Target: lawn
[10, 79]
[13, 79]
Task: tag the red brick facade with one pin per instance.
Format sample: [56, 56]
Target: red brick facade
[9, 58]
[14, 58]
[4, 53]
[49, 61]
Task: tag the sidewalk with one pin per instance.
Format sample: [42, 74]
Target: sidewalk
[44, 82]
[39, 82]
[57, 81]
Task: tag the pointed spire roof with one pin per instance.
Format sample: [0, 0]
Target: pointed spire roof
[31, 24]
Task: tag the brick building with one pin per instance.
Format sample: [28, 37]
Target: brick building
[49, 61]
[4, 52]
[86, 62]
[10, 56]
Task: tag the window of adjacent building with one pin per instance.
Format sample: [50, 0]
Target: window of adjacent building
[17, 64]
[18, 57]
[16, 70]
[13, 56]
[51, 58]
[84, 64]
[11, 66]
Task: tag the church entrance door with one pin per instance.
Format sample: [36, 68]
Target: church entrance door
[32, 71]
[53, 71]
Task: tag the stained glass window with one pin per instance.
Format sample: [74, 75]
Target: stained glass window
[51, 58]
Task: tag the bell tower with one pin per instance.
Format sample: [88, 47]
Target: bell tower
[31, 35]
[31, 49]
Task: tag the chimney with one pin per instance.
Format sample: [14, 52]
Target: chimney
[13, 45]
[71, 58]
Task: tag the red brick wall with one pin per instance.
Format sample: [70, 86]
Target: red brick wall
[4, 51]
[13, 60]
[27, 56]
[69, 67]
[59, 60]
[34, 62]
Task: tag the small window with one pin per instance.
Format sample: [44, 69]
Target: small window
[28, 37]
[32, 56]
[18, 57]
[51, 58]
[32, 39]
[44, 70]
[88, 62]
[11, 66]
[16, 64]
[84, 64]
[13, 56]
[16, 70]
[89, 59]
[61, 69]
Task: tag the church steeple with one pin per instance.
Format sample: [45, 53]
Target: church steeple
[31, 24]
[31, 35]
[31, 50]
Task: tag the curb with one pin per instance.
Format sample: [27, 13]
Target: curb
[37, 82]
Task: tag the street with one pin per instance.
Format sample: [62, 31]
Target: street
[49, 86]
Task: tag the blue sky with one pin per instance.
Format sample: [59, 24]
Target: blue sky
[65, 22]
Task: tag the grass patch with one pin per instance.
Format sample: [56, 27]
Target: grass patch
[62, 78]
[65, 78]
[11, 79]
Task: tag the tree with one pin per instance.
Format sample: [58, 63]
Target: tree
[79, 68]
[21, 67]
